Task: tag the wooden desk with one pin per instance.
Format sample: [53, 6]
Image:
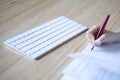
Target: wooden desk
[17, 16]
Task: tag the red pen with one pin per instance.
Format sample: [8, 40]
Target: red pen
[100, 32]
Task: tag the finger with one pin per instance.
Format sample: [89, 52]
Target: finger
[90, 34]
[94, 29]
[107, 43]
[90, 37]
[100, 40]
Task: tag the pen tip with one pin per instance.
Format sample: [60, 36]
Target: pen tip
[92, 48]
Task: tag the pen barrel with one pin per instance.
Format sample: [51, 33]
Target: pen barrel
[100, 32]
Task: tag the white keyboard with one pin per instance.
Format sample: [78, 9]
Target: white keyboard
[40, 40]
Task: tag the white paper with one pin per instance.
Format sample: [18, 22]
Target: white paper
[67, 77]
[102, 63]
[113, 48]
[81, 70]
[108, 56]
[74, 68]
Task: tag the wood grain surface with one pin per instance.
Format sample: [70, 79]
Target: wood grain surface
[17, 16]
